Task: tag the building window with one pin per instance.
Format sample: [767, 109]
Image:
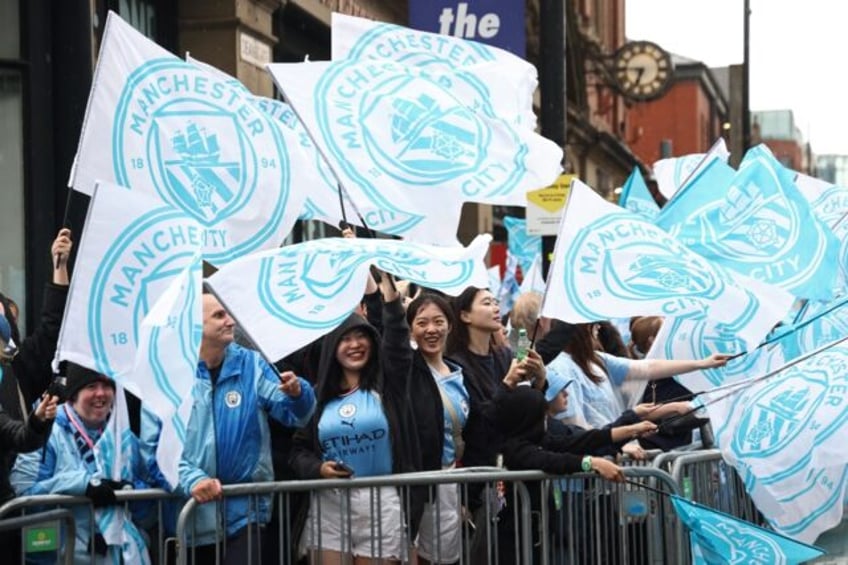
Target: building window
[10, 39]
[141, 14]
[12, 266]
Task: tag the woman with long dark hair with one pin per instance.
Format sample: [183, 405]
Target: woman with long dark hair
[599, 375]
[362, 427]
[441, 409]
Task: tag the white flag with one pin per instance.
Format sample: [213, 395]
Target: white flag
[512, 99]
[310, 173]
[132, 247]
[611, 263]
[158, 124]
[412, 144]
[287, 298]
[674, 172]
[785, 435]
[166, 362]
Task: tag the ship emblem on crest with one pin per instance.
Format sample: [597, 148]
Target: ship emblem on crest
[202, 180]
[429, 139]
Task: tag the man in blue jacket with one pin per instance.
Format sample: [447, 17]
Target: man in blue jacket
[227, 436]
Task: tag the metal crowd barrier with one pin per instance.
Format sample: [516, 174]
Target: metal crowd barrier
[59, 515]
[28, 510]
[525, 517]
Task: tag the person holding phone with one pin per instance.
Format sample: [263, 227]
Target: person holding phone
[227, 436]
[361, 428]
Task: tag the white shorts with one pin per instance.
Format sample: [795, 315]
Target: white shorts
[344, 522]
[440, 532]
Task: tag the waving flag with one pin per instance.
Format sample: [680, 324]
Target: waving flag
[720, 539]
[673, 173]
[358, 38]
[611, 263]
[636, 197]
[785, 436]
[304, 291]
[521, 245]
[157, 124]
[816, 325]
[413, 142]
[689, 338]
[310, 173]
[132, 247]
[509, 289]
[759, 226]
[166, 362]
[533, 281]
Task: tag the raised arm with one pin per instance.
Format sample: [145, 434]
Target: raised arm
[656, 369]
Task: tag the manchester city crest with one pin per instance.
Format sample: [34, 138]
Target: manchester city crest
[207, 149]
[635, 261]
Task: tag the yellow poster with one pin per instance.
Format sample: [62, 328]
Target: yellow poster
[546, 205]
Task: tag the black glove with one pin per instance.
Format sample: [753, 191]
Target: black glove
[101, 492]
[100, 546]
[118, 485]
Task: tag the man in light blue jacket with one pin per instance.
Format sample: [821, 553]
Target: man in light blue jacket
[227, 437]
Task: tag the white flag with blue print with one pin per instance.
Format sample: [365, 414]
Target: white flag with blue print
[311, 175]
[413, 144]
[785, 436]
[674, 172]
[759, 226]
[611, 263]
[304, 291]
[132, 247]
[166, 362]
[691, 338]
[116, 455]
[509, 289]
[816, 325]
[494, 279]
[636, 197]
[533, 280]
[521, 245]
[512, 99]
[160, 125]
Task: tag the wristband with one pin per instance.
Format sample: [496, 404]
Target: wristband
[586, 464]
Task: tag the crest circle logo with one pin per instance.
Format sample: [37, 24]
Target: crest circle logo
[347, 410]
[232, 399]
[133, 273]
[413, 130]
[205, 148]
[659, 268]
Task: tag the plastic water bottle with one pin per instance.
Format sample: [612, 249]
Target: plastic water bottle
[523, 345]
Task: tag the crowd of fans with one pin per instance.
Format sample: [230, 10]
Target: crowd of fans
[410, 381]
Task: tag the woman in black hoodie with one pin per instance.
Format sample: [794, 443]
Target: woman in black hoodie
[362, 427]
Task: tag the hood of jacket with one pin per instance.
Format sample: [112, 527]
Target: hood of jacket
[521, 414]
[328, 365]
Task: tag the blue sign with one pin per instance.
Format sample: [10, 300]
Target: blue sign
[499, 23]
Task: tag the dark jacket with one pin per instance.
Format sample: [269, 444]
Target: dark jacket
[482, 440]
[19, 437]
[392, 359]
[30, 369]
[575, 439]
[429, 413]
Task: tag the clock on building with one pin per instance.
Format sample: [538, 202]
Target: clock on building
[643, 70]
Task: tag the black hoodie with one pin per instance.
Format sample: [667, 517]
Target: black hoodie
[389, 369]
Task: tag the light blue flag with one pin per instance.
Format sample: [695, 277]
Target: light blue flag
[720, 539]
[524, 247]
[610, 262]
[674, 173]
[636, 197]
[304, 291]
[758, 225]
[816, 325]
[510, 288]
